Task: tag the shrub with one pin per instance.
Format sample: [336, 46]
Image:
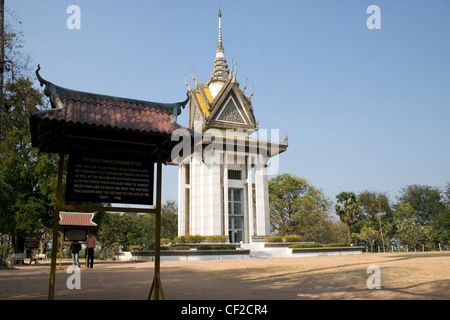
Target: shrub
[179, 239]
[179, 248]
[134, 247]
[306, 245]
[217, 247]
[217, 239]
[194, 238]
[292, 238]
[189, 238]
[274, 239]
[165, 242]
[318, 245]
[338, 244]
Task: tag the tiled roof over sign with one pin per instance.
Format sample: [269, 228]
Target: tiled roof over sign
[120, 113]
[91, 121]
[76, 219]
[91, 109]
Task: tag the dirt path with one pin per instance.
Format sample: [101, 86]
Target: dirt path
[402, 276]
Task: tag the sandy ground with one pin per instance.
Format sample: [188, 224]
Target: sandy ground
[403, 276]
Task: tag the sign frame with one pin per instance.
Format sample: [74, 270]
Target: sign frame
[110, 178]
[75, 234]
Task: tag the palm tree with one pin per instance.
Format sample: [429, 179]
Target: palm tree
[347, 209]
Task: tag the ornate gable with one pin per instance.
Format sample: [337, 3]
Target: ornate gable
[232, 110]
[230, 113]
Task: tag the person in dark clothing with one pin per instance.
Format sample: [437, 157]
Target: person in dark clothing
[75, 247]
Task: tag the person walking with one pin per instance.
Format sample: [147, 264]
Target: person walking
[91, 244]
[75, 248]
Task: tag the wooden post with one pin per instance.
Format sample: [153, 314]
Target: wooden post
[51, 288]
[60, 251]
[86, 250]
[156, 285]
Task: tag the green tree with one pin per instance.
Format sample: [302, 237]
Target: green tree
[445, 219]
[297, 207]
[430, 237]
[169, 220]
[428, 204]
[348, 210]
[367, 234]
[26, 177]
[118, 230]
[410, 231]
[377, 209]
[446, 195]
[430, 208]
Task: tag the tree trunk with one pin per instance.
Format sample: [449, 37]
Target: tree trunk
[19, 244]
[2, 57]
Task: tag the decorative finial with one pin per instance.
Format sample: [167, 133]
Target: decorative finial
[49, 90]
[219, 45]
[187, 84]
[197, 83]
[249, 97]
[41, 81]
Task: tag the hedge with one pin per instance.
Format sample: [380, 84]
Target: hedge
[217, 239]
[292, 238]
[179, 248]
[338, 244]
[274, 239]
[306, 245]
[288, 238]
[319, 245]
[217, 247]
[189, 238]
[165, 241]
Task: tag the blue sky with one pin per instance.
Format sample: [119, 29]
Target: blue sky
[363, 109]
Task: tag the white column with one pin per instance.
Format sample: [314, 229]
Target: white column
[225, 195]
[245, 230]
[180, 200]
[262, 199]
[197, 196]
[203, 199]
[250, 197]
[215, 211]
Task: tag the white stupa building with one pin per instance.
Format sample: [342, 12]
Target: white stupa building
[223, 187]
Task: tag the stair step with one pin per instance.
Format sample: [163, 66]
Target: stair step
[258, 251]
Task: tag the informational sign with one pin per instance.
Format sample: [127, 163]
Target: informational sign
[32, 241]
[75, 234]
[111, 179]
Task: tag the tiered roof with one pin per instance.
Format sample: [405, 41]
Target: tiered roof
[220, 103]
